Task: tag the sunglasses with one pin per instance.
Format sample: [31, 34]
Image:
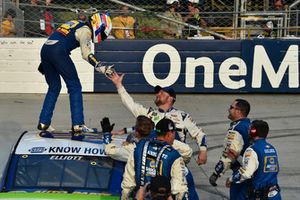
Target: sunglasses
[232, 107]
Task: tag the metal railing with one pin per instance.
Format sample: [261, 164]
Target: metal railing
[224, 19]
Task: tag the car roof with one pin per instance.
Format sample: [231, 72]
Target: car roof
[31, 143]
[61, 148]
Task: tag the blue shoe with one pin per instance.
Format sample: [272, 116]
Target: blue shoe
[77, 136]
[46, 134]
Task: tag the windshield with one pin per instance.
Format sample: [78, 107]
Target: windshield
[63, 172]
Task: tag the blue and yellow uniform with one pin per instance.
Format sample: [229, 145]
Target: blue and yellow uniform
[260, 167]
[56, 62]
[237, 139]
[151, 158]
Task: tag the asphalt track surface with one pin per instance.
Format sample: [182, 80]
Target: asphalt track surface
[19, 112]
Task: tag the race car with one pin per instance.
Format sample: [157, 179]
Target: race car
[57, 167]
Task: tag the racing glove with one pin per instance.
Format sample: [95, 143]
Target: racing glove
[106, 126]
[107, 138]
[106, 129]
[107, 70]
[219, 168]
[213, 179]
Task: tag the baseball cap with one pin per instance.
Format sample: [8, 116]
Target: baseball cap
[165, 125]
[169, 2]
[168, 90]
[160, 184]
[194, 1]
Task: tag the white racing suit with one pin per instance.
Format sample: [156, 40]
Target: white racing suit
[250, 165]
[183, 121]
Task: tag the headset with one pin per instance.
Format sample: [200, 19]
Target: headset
[253, 132]
[259, 128]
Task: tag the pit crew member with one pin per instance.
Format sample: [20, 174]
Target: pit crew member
[236, 139]
[144, 130]
[156, 157]
[165, 99]
[260, 164]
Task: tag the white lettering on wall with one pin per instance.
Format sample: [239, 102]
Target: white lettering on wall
[190, 74]
[232, 78]
[261, 61]
[175, 65]
[225, 73]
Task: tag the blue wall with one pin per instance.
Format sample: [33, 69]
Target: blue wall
[222, 66]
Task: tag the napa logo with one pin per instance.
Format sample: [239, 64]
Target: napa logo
[37, 150]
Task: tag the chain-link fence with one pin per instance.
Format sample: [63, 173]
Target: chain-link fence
[158, 19]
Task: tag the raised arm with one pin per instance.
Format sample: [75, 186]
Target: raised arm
[135, 108]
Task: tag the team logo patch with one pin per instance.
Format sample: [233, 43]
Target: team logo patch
[246, 161]
[270, 164]
[183, 115]
[155, 118]
[248, 154]
[230, 136]
[65, 29]
[269, 151]
[152, 163]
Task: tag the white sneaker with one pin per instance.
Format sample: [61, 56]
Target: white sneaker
[45, 127]
[83, 129]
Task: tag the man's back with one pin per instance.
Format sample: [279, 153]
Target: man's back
[267, 172]
[66, 34]
[152, 158]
